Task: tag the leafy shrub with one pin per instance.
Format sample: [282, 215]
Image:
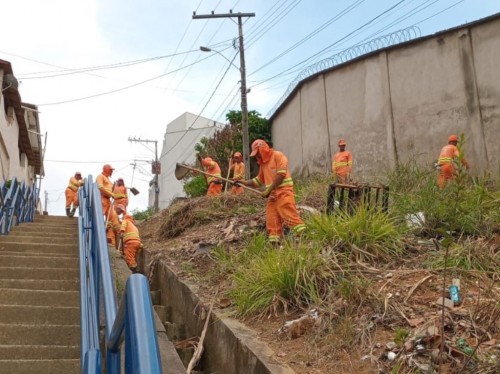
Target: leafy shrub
[140, 215]
[196, 186]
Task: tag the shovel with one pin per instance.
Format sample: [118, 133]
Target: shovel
[181, 170]
[134, 190]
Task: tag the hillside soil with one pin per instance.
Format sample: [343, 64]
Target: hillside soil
[404, 334]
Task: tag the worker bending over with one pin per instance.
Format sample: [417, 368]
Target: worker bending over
[131, 242]
[214, 184]
[275, 176]
[121, 194]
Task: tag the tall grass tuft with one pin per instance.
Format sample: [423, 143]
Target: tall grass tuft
[366, 233]
[277, 279]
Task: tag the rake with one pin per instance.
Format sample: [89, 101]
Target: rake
[181, 170]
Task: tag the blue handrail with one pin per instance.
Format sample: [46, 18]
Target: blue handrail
[133, 321]
[17, 204]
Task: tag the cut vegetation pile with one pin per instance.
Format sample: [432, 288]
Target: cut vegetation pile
[362, 292]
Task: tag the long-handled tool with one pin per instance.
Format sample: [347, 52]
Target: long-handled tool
[181, 170]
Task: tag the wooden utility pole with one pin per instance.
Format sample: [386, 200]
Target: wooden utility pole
[155, 168]
[244, 105]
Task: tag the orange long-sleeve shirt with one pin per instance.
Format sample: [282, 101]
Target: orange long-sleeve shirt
[104, 185]
[74, 184]
[277, 165]
[238, 170]
[342, 163]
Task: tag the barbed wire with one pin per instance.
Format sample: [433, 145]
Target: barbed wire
[351, 53]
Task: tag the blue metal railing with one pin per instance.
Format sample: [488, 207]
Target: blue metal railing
[17, 204]
[132, 323]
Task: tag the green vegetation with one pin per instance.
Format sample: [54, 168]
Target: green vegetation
[196, 186]
[140, 215]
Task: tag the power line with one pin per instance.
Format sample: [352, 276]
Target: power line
[122, 88]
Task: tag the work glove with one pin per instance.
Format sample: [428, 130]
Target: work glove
[237, 183]
[265, 194]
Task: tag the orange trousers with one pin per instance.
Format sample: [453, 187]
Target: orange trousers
[214, 189]
[341, 177]
[130, 249]
[71, 198]
[280, 211]
[237, 190]
[110, 220]
[446, 173]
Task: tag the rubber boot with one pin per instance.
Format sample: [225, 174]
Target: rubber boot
[68, 212]
[72, 213]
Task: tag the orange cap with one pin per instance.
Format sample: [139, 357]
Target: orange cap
[237, 154]
[107, 167]
[256, 145]
[453, 138]
[207, 161]
[78, 173]
[342, 142]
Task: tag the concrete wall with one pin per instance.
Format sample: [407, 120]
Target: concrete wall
[400, 103]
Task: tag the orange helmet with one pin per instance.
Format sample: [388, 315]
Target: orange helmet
[452, 138]
[258, 144]
[342, 142]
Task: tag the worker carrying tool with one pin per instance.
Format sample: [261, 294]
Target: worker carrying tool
[121, 194]
[238, 168]
[342, 163]
[106, 188]
[131, 241]
[275, 176]
[71, 193]
[214, 183]
[449, 153]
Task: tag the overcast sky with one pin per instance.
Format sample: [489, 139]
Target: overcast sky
[104, 71]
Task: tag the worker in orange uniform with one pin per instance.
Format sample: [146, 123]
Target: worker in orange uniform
[342, 163]
[120, 192]
[446, 159]
[131, 242]
[71, 193]
[106, 188]
[275, 176]
[238, 168]
[214, 184]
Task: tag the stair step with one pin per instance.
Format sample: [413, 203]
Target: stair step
[39, 273]
[53, 239]
[35, 284]
[39, 233]
[56, 219]
[39, 352]
[39, 247]
[13, 296]
[39, 261]
[40, 366]
[48, 315]
[25, 334]
[35, 228]
[37, 254]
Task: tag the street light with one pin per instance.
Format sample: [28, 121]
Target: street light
[244, 106]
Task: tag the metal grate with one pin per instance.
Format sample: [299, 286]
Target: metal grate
[346, 197]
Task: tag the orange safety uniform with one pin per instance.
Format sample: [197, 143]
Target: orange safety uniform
[280, 207]
[238, 174]
[131, 241]
[214, 184]
[71, 192]
[342, 165]
[446, 167]
[121, 196]
[112, 222]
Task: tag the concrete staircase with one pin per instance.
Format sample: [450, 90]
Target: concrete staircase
[40, 298]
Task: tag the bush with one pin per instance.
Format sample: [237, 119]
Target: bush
[140, 215]
[196, 186]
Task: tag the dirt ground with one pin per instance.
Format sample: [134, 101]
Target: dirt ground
[409, 292]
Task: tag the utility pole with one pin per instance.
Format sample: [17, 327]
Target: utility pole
[244, 105]
[155, 168]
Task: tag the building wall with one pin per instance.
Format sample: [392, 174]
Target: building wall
[400, 103]
[180, 138]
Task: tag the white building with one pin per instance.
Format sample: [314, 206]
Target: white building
[20, 138]
[181, 136]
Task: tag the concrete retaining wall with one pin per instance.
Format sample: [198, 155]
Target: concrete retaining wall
[400, 103]
[229, 346]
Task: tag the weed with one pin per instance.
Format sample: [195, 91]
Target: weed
[367, 233]
[140, 215]
[277, 279]
[400, 336]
